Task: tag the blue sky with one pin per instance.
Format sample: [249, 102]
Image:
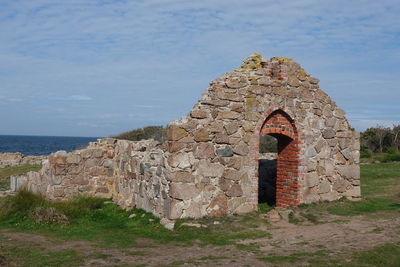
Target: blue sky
[96, 68]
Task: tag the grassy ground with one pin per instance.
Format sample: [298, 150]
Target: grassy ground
[6, 172]
[380, 190]
[97, 231]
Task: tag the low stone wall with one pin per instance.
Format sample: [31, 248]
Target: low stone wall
[133, 174]
[16, 159]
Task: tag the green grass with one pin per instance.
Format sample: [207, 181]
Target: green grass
[380, 187]
[391, 157]
[198, 261]
[385, 255]
[31, 256]
[6, 172]
[264, 207]
[108, 225]
[295, 257]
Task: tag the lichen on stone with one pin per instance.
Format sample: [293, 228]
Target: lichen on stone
[282, 59]
[253, 62]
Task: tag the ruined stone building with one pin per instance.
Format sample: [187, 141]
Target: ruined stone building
[211, 164]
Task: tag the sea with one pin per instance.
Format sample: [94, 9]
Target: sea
[42, 145]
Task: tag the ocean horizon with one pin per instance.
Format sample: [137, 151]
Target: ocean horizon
[42, 145]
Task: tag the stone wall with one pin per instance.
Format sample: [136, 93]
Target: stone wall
[210, 164]
[214, 152]
[16, 159]
[133, 174]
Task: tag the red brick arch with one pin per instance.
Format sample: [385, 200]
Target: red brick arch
[280, 125]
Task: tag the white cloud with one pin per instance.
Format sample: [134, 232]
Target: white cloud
[159, 55]
[79, 97]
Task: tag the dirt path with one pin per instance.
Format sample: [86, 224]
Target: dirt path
[356, 233]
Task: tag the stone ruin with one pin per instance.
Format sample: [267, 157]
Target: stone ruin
[211, 164]
[16, 159]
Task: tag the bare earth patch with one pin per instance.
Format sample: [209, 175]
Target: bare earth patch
[339, 236]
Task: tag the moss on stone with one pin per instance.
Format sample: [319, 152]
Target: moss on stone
[282, 59]
[253, 62]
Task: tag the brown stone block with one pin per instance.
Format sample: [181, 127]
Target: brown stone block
[58, 192]
[241, 149]
[175, 132]
[102, 189]
[174, 209]
[73, 158]
[60, 169]
[216, 127]
[234, 162]
[182, 177]
[221, 138]
[215, 102]
[98, 153]
[199, 114]
[225, 184]
[236, 82]
[75, 169]
[59, 160]
[251, 116]
[237, 107]
[204, 150]
[80, 180]
[97, 171]
[266, 81]
[201, 135]
[328, 133]
[228, 96]
[183, 191]
[174, 146]
[230, 115]
[235, 191]
[293, 81]
[218, 206]
[231, 127]
[231, 174]
[194, 210]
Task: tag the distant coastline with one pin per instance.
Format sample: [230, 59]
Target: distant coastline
[41, 145]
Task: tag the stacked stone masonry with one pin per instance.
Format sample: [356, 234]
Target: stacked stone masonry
[16, 159]
[209, 164]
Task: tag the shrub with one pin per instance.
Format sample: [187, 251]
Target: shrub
[391, 157]
[25, 205]
[366, 154]
[158, 133]
[20, 205]
[79, 206]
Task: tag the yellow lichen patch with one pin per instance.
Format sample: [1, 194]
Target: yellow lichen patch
[282, 59]
[251, 103]
[302, 75]
[253, 62]
[111, 187]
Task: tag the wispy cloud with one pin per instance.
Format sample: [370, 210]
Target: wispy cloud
[79, 97]
[72, 98]
[128, 54]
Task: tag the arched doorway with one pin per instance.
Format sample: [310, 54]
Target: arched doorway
[279, 125]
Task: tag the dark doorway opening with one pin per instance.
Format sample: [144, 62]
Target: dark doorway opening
[279, 186]
[267, 170]
[267, 181]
